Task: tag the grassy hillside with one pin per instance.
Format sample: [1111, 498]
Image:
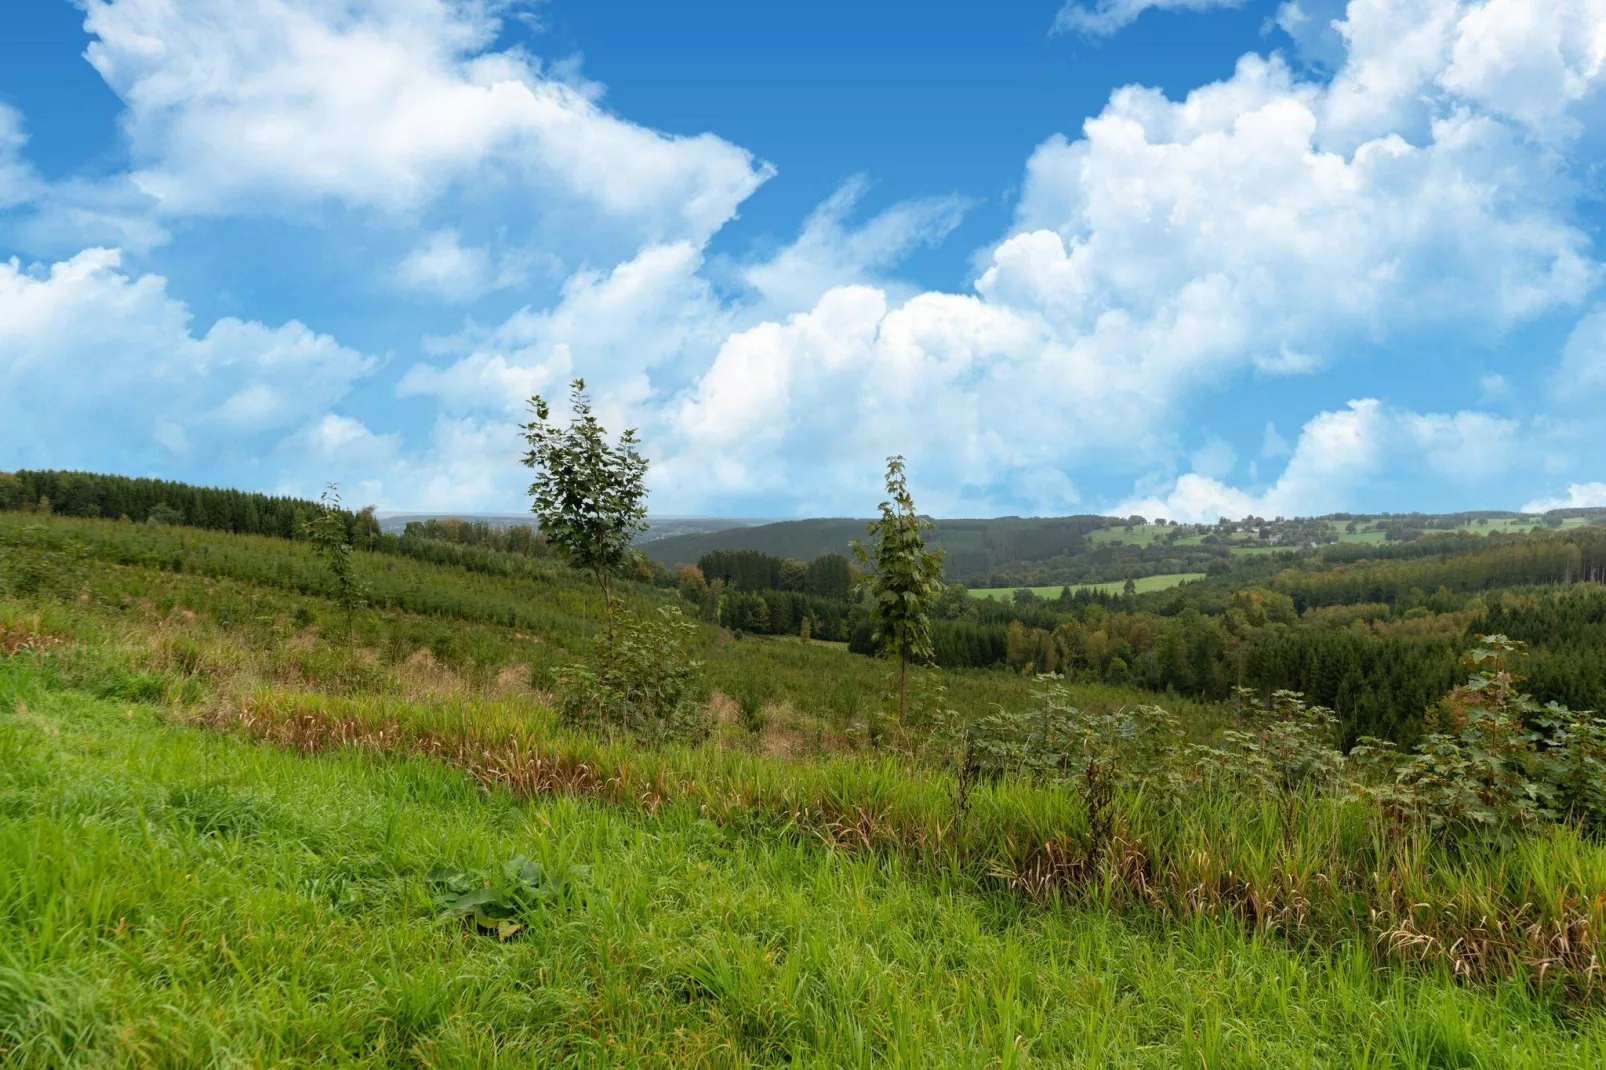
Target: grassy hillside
[175, 896]
[222, 818]
[973, 548]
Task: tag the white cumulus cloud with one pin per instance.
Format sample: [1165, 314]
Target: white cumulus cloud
[1579, 496]
[249, 105]
[615, 327]
[1344, 457]
[1265, 223]
[100, 369]
[444, 266]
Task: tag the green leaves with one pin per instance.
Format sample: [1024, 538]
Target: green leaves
[905, 578]
[37, 563]
[331, 540]
[589, 496]
[642, 680]
[496, 898]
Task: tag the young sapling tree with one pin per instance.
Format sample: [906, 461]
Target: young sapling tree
[331, 541]
[589, 495]
[904, 583]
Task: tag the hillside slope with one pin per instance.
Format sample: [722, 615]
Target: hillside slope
[225, 812]
[974, 547]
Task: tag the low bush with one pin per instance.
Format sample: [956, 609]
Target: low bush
[641, 681]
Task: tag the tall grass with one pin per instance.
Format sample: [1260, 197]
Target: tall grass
[174, 897]
[1314, 871]
[230, 639]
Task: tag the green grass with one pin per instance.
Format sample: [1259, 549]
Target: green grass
[176, 897]
[257, 595]
[1127, 536]
[173, 894]
[1144, 585]
[1369, 533]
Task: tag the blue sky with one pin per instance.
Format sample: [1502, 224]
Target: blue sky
[1181, 257]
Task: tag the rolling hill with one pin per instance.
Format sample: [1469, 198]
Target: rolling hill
[974, 548]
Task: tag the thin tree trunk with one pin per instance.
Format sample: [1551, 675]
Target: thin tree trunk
[903, 687]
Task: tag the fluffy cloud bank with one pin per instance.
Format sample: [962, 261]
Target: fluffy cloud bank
[253, 105]
[100, 368]
[1354, 458]
[1423, 197]
[1262, 225]
[1579, 496]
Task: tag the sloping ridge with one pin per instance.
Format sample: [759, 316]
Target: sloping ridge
[973, 546]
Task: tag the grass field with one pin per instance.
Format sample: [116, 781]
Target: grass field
[219, 817]
[1369, 533]
[1130, 536]
[1143, 585]
[175, 897]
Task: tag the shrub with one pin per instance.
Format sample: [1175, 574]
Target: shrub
[751, 696]
[36, 564]
[1572, 765]
[641, 681]
[1285, 747]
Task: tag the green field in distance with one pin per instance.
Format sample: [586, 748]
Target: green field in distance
[1144, 585]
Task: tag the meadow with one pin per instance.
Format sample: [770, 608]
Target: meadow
[225, 812]
[1143, 585]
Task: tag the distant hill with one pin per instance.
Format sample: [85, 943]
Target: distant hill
[658, 527]
[803, 540]
[1014, 551]
[975, 549]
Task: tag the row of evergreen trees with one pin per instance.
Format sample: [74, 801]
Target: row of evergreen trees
[90, 494]
[827, 576]
[784, 613]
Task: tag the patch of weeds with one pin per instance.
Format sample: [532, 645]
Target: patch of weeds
[497, 898]
[116, 683]
[750, 699]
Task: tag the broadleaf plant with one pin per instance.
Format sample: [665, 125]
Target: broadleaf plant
[904, 583]
[331, 541]
[500, 898]
[589, 495]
